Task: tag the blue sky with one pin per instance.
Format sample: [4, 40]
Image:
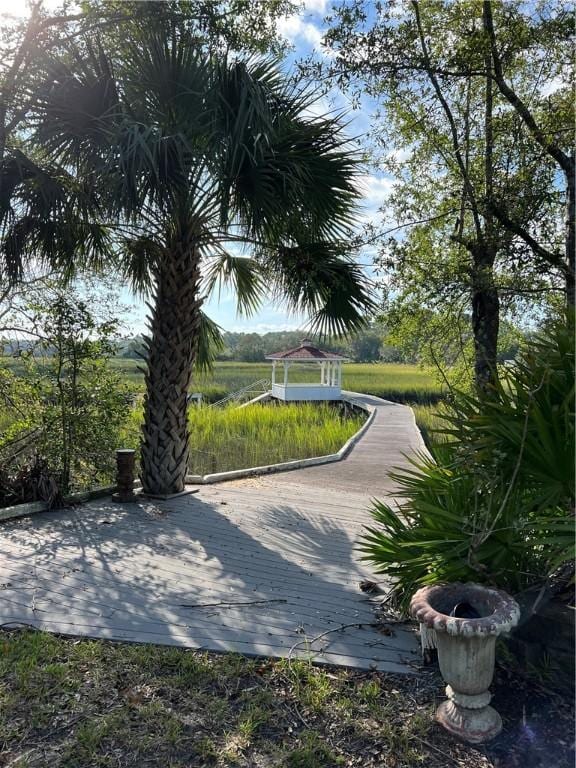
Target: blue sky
[304, 31]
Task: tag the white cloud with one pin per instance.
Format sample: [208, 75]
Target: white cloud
[375, 190]
[294, 28]
[551, 86]
[265, 327]
[318, 108]
[399, 155]
[314, 6]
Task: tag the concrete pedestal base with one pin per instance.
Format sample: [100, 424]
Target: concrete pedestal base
[472, 725]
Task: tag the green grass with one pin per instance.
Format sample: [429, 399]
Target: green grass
[398, 382]
[68, 703]
[429, 420]
[229, 438]
[401, 383]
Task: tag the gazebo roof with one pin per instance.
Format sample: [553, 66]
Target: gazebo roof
[306, 352]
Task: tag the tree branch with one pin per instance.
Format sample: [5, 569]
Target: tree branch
[550, 257]
[552, 149]
[451, 121]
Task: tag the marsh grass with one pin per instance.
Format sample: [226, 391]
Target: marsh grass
[228, 438]
[429, 421]
[398, 382]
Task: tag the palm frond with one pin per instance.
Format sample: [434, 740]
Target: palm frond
[243, 275]
[77, 107]
[67, 246]
[210, 343]
[315, 279]
[139, 256]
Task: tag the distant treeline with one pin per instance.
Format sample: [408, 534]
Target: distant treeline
[368, 346]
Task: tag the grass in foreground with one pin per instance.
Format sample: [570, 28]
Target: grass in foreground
[229, 438]
[88, 704]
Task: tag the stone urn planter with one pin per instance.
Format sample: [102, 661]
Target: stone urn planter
[466, 619]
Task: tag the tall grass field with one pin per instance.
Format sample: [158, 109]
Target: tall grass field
[224, 439]
[228, 438]
[398, 382]
[395, 381]
[401, 383]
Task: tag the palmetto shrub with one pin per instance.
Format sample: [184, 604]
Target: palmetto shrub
[496, 503]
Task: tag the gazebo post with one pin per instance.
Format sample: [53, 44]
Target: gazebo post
[329, 363]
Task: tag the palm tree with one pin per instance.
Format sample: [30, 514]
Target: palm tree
[192, 157]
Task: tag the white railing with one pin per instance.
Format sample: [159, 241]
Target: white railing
[254, 389]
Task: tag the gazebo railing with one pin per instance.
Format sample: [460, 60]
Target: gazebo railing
[256, 388]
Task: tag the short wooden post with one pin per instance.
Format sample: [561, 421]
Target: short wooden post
[124, 476]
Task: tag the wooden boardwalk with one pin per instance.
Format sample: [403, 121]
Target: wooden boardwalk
[262, 566]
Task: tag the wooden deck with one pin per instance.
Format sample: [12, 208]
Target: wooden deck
[262, 566]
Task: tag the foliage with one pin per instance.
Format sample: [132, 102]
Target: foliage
[473, 116]
[496, 503]
[207, 155]
[68, 406]
[527, 428]
[442, 340]
[28, 481]
[43, 213]
[234, 438]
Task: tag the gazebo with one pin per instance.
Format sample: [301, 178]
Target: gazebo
[328, 364]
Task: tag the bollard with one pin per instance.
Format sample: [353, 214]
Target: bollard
[124, 476]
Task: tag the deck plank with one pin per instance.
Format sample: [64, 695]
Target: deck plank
[283, 544]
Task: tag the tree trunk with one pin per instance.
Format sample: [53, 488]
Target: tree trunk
[570, 238]
[485, 301]
[485, 322]
[171, 349]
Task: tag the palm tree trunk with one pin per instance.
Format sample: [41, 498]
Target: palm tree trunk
[171, 349]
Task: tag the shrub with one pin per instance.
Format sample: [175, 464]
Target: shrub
[63, 413]
[496, 503]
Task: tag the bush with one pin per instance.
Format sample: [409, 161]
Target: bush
[63, 412]
[496, 503]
